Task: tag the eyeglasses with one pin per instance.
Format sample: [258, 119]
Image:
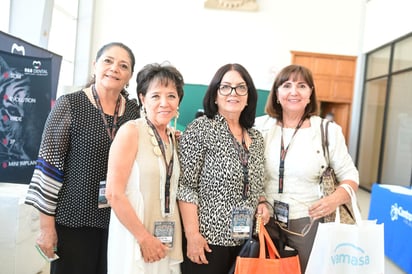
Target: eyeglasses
[305, 230]
[299, 87]
[226, 90]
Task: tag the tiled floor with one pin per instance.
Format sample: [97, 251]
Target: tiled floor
[363, 200]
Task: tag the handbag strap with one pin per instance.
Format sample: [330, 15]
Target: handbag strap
[355, 208]
[266, 243]
[325, 141]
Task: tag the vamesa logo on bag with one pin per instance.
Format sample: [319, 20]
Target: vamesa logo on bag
[347, 253]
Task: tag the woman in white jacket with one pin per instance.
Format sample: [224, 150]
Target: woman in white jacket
[295, 160]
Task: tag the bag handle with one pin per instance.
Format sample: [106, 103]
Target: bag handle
[266, 241]
[325, 141]
[356, 211]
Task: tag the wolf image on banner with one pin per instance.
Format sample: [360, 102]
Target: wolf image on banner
[25, 84]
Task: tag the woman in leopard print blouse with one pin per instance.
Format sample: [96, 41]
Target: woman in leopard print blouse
[221, 180]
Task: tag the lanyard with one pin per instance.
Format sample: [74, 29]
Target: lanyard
[243, 153]
[283, 152]
[169, 167]
[111, 131]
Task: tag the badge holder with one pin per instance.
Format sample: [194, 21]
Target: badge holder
[242, 223]
[281, 213]
[164, 231]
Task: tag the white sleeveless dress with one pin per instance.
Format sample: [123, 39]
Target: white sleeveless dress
[145, 191]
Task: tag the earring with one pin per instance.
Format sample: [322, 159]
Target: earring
[277, 101]
[176, 117]
[142, 111]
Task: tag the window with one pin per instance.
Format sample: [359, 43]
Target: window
[385, 140]
[62, 39]
[371, 129]
[397, 150]
[402, 55]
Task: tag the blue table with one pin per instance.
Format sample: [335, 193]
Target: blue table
[392, 205]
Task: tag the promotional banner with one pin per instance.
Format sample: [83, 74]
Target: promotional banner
[25, 84]
[14, 45]
[392, 205]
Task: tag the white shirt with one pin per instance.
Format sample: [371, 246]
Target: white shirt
[304, 162]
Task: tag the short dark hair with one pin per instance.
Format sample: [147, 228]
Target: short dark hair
[248, 115]
[274, 109]
[165, 74]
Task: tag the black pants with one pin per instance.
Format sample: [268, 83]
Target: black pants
[81, 251]
[220, 260]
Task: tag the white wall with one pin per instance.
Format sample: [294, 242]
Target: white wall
[198, 40]
[386, 20]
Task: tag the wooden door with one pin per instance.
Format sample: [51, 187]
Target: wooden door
[334, 81]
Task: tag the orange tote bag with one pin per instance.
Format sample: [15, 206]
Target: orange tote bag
[267, 263]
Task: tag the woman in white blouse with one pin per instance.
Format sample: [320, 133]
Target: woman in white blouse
[295, 160]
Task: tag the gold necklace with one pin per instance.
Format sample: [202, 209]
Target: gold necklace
[153, 140]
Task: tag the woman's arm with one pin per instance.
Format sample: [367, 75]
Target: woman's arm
[122, 155]
[47, 240]
[345, 171]
[196, 243]
[191, 156]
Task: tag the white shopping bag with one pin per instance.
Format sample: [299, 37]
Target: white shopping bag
[343, 248]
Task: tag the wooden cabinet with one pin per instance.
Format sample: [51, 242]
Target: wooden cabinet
[334, 81]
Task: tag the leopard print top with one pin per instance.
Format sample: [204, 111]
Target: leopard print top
[212, 175]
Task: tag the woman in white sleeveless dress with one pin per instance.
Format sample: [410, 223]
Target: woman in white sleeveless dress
[145, 230]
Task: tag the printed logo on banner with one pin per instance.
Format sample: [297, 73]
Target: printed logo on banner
[36, 64]
[398, 211]
[350, 254]
[36, 69]
[16, 48]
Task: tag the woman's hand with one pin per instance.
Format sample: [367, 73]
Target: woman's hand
[328, 204]
[323, 207]
[264, 212]
[47, 241]
[152, 249]
[178, 133]
[196, 247]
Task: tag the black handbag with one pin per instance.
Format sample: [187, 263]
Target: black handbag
[280, 240]
[250, 248]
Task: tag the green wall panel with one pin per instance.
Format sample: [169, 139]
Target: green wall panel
[193, 100]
